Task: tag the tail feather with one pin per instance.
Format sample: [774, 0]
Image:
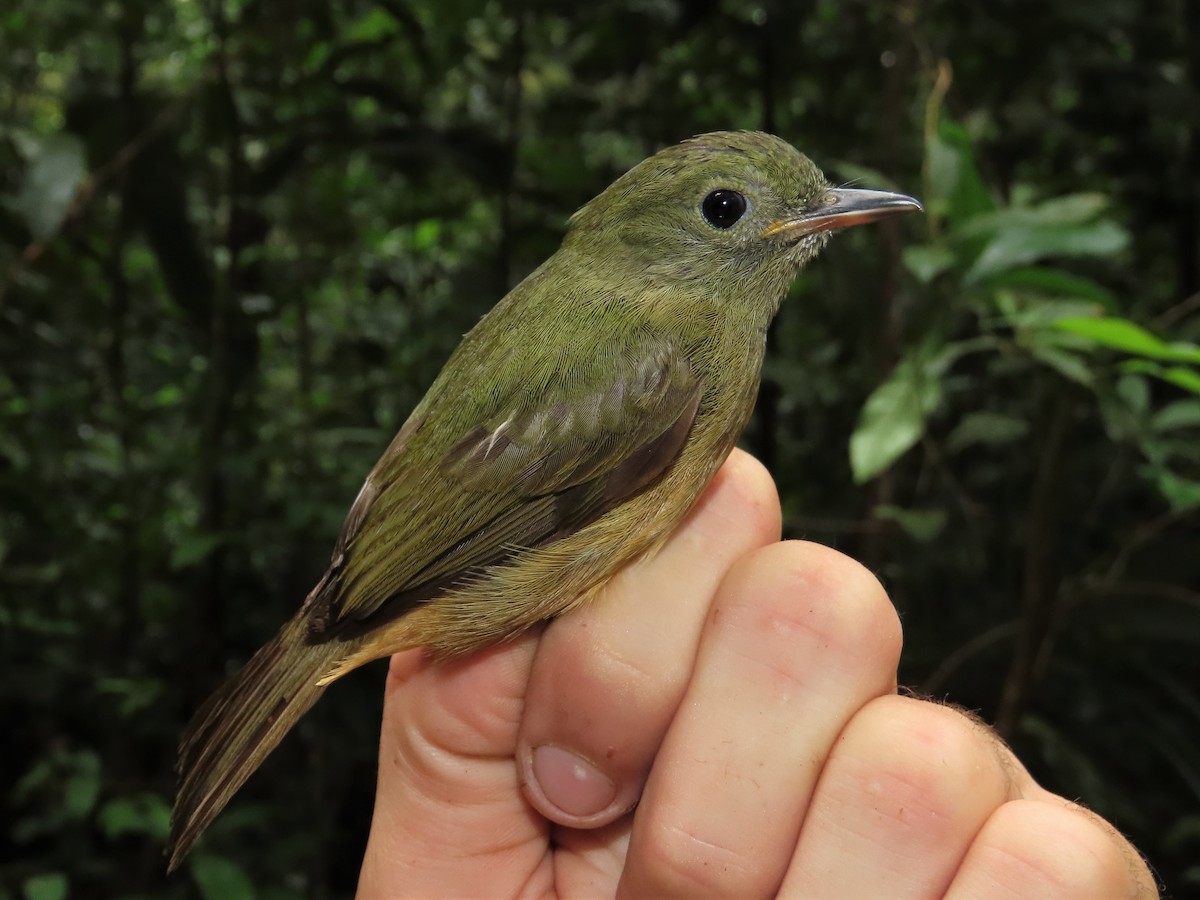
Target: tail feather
[236, 728]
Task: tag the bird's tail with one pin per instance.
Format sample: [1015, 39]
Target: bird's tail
[239, 725]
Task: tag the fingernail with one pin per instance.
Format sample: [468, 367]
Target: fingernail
[570, 782]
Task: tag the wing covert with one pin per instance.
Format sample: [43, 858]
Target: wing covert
[539, 468]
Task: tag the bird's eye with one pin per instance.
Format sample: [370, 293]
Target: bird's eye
[723, 208]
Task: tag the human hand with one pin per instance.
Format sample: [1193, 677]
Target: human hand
[741, 692]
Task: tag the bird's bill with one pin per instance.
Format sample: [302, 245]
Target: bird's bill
[842, 208]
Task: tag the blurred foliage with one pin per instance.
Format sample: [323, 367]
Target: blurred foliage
[238, 238]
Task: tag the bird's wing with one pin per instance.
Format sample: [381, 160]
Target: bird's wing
[541, 467]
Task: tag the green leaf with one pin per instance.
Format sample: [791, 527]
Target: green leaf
[376, 24]
[1121, 334]
[1135, 391]
[134, 694]
[83, 788]
[1122, 419]
[1069, 365]
[61, 787]
[1039, 315]
[57, 166]
[38, 775]
[143, 813]
[927, 261]
[168, 395]
[1188, 379]
[921, 525]
[1057, 213]
[986, 427]
[1055, 283]
[1179, 492]
[955, 188]
[1176, 415]
[942, 163]
[426, 234]
[1019, 246]
[1069, 209]
[47, 886]
[193, 548]
[893, 418]
[1180, 376]
[221, 879]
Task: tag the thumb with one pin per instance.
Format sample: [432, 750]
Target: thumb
[450, 819]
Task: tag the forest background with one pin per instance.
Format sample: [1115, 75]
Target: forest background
[239, 237]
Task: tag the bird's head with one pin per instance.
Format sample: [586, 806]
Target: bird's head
[727, 208]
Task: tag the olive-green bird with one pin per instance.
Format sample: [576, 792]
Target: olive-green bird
[567, 436]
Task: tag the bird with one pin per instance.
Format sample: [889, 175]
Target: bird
[567, 436]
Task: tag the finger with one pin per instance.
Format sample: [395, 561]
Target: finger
[446, 780]
[906, 789]
[1050, 849]
[608, 677]
[798, 639]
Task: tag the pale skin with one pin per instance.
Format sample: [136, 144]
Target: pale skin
[736, 699]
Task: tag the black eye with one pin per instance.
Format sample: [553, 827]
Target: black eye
[722, 208]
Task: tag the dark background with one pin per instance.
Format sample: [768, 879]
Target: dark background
[239, 237]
